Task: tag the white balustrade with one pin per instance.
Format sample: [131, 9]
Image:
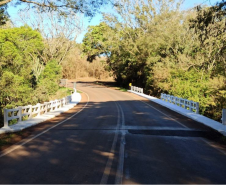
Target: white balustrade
[30, 111]
[137, 89]
[184, 103]
[224, 117]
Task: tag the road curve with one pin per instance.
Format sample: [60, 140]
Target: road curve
[117, 137]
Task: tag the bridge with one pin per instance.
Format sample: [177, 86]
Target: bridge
[115, 137]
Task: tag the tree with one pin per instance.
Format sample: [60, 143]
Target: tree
[16, 70]
[92, 44]
[155, 45]
[210, 27]
[4, 17]
[19, 82]
[59, 32]
[76, 66]
[130, 38]
[48, 83]
[88, 7]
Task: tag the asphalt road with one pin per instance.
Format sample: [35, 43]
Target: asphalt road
[117, 137]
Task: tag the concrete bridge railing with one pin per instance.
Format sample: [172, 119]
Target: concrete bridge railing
[27, 112]
[184, 103]
[189, 105]
[223, 119]
[137, 89]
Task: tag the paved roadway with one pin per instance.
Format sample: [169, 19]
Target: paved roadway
[118, 137]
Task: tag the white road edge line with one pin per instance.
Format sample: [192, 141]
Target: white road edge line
[107, 169]
[27, 141]
[162, 113]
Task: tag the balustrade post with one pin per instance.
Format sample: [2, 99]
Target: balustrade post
[45, 107]
[224, 116]
[51, 106]
[6, 124]
[63, 102]
[197, 108]
[60, 102]
[20, 113]
[38, 104]
[55, 104]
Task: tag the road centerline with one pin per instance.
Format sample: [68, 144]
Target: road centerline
[107, 169]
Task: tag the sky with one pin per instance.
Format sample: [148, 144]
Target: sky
[97, 19]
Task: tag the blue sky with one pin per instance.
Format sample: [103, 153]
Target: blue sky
[97, 19]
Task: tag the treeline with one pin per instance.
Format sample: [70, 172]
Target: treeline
[24, 77]
[76, 66]
[32, 63]
[155, 45]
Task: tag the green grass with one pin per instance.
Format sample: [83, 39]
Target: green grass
[112, 86]
[65, 90]
[121, 89]
[6, 139]
[79, 91]
[99, 83]
[9, 138]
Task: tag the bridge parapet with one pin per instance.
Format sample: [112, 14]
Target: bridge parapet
[21, 113]
[184, 103]
[137, 89]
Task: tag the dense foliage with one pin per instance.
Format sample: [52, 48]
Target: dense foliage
[20, 59]
[157, 46]
[31, 68]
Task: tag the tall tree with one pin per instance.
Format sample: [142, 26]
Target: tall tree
[155, 45]
[16, 74]
[59, 32]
